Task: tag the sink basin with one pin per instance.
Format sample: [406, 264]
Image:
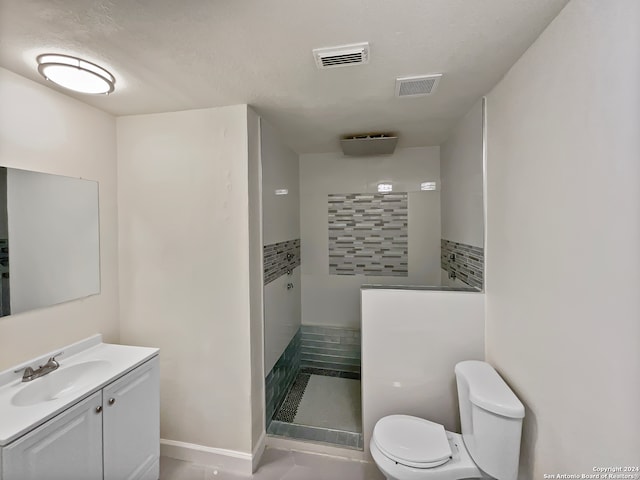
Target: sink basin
[59, 383]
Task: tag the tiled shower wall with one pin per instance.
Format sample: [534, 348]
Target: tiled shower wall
[5, 296]
[368, 234]
[281, 376]
[467, 262]
[331, 348]
[279, 258]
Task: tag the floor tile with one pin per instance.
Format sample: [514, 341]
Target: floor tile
[331, 402]
[277, 465]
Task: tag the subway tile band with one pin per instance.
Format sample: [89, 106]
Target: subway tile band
[467, 262]
[331, 349]
[280, 258]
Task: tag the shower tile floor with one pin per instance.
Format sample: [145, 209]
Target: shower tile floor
[331, 402]
[322, 408]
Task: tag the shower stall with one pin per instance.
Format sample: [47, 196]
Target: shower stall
[332, 224]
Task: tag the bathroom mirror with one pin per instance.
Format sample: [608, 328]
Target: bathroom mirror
[49, 239]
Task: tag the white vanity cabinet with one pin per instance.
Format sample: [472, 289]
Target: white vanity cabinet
[114, 434]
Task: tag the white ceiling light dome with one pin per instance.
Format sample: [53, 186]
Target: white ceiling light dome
[76, 74]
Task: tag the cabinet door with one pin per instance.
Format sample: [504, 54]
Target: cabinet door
[67, 447]
[131, 430]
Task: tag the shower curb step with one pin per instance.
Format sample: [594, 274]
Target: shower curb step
[329, 436]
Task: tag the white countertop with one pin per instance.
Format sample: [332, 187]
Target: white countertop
[15, 420]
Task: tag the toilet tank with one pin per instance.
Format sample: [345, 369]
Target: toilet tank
[491, 418]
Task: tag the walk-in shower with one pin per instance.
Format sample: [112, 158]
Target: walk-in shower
[313, 393]
[328, 229]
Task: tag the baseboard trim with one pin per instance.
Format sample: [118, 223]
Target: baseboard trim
[225, 460]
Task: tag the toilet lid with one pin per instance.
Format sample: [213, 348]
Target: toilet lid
[412, 441]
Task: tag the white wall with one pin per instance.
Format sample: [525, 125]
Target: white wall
[411, 342]
[256, 280]
[281, 222]
[54, 240]
[43, 130]
[185, 267]
[333, 300]
[280, 170]
[461, 174]
[563, 262]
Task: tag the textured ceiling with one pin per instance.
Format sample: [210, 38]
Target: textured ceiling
[172, 55]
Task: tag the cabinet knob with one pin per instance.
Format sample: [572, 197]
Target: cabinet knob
[98, 408]
[112, 401]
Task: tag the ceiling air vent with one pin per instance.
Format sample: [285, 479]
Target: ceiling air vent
[342, 56]
[417, 86]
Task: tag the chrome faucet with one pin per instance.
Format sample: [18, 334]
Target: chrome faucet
[51, 365]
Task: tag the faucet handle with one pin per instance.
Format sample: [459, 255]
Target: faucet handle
[28, 374]
[52, 360]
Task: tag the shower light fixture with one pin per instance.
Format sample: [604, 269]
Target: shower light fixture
[385, 187]
[428, 186]
[75, 74]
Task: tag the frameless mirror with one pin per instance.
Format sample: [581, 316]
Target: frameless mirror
[49, 239]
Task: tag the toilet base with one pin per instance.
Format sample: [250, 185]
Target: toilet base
[459, 467]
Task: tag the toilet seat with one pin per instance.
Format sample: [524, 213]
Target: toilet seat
[412, 441]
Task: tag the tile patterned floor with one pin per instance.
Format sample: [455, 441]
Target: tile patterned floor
[330, 373]
[331, 402]
[330, 413]
[278, 465]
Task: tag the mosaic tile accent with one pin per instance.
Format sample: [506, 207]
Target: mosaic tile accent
[467, 262]
[330, 373]
[280, 258]
[330, 436]
[281, 377]
[331, 349]
[368, 234]
[289, 408]
[5, 287]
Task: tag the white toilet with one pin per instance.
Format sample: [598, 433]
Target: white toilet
[411, 448]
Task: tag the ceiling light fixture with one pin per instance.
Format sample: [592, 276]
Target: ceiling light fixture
[75, 74]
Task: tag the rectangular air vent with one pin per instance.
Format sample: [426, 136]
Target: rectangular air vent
[342, 56]
[417, 86]
[369, 144]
